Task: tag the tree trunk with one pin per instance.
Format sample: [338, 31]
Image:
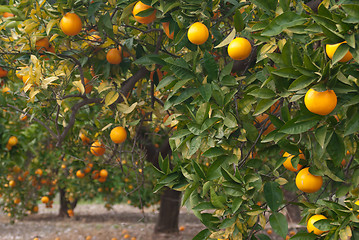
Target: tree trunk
[65, 204]
[167, 221]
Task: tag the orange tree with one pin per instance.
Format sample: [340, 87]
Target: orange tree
[224, 88]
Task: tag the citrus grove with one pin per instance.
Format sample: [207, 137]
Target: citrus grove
[221, 106]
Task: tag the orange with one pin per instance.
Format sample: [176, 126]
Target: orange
[51, 49]
[42, 44]
[38, 172]
[3, 73]
[17, 200]
[12, 141]
[97, 148]
[159, 75]
[331, 48]
[118, 135]
[70, 212]
[308, 182]
[71, 24]
[88, 87]
[239, 48]
[103, 173]
[6, 90]
[80, 174]
[269, 126]
[310, 224]
[321, 103]
[166, 28]
[85, 140]
[23, 117]
[95, 174]
[12, 183]
[16, 169]
[102, 179]
[7, 14]
[198, 33]
[114, 56]
[139, 7]
[45, 199]
[35, 209]
[182, 228]
[288, 162]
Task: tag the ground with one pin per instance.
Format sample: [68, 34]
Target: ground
[100, 224]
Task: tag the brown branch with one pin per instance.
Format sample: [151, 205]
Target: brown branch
[71, 122]
[53, 134]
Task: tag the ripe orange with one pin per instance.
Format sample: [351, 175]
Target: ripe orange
[85, 140]
[103, 173]
[139, 7]
[12, 141]
[12, 183]
[45, 199]
[97, 148]
[239, 48]
[118, 135]
[269, 126]
[17, 201]
[288, 162]
[88, 87]
[166, 28]
[114, 56]
[71, 24]
[6, 90]
[80, 174]
[198, 33]
[182, 228]
[331, 48]
[102, 179]
[7, 14]
[159, 75]
[321, 103]
[23, 117]
[3, 73]
[70, 212]
[38, 172]
[310, 224]
[35, 209]
[308, 182]
[42, 44]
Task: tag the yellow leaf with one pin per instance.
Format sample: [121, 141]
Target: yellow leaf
[111, 97]
[262, 221]
[345, 234]
[50, 25]
[29, 27]
[130, 109]
[106, 127]
[33, 93]
[27, 87]
[48, 81]
[79, 85]
[103, 87]
[59, 102]
[281, 181]
[34, 59]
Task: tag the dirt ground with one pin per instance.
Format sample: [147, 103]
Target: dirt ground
[95, 221]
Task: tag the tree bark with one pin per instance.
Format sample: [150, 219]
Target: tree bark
[65, 204]
[167, 221]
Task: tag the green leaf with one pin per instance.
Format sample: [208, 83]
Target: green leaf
[198, 169]
[204, 206]
[304, 236]
[320, 134]
[340, 53]
[208, 123]
[351, 9]
[263, 106]
[206, 91]
[237, 202]
[210, 65]
[180, 133]
[279, 224]
[300, 125]
[229, 81]
[202, 235]
[282, 22]
[336, 148]
[238, 21]
[263, 93]
[195, 145]
[214, 170]
[189, 92]
[267, 5]
[273, 195]
[287, 73]
[229, 177]
[301, 83]
[323, 224]
[213, 152]
[352, 125]
[230, 120]
[228, 222]
[262, 237]
[216, 200]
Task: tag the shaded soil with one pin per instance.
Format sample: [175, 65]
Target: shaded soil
[97, 222]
